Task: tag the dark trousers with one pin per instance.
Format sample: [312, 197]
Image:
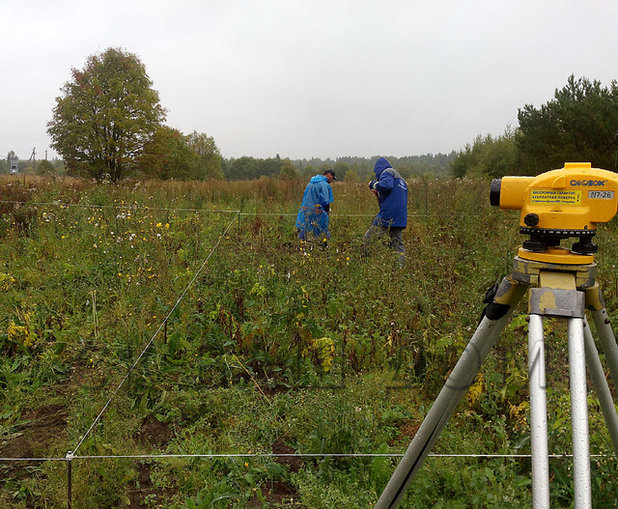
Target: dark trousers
[396, 239]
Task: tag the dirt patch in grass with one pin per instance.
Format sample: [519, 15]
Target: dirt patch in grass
[142, 493]
[407, 430]
[276, 493]
[154, 432]
[40, 428]
[294, 463]
[280, 493]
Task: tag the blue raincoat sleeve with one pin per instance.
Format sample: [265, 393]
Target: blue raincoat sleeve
[386, 182]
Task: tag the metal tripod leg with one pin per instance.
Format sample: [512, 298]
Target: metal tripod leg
[497, 315]
[538, 413]
[594, 302]
[595, 368]
[579, 414]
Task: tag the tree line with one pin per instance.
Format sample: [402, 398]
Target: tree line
[181, 164]
[580, 123]
[351, 169]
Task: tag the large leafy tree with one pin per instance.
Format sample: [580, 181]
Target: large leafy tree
[579, 124]
[170, 154]
[105, 115]
[207, 158]
[488, 156]
[166, 155]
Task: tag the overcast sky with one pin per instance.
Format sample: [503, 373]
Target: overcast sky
[311, 78]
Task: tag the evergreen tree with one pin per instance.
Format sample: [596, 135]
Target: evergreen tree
[579, 124]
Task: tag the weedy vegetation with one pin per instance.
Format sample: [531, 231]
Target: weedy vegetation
[263, 347]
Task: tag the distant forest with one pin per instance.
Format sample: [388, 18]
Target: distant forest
[347, 168]
[249, 168]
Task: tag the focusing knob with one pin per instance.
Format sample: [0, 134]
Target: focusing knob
[531, 219]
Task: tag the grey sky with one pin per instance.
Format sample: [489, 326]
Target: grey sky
[311, 78]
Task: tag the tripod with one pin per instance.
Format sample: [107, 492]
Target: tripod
[562, 284]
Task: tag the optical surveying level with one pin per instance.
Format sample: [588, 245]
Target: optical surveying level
[556, 205]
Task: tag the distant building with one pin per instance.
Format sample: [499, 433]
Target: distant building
[13, 165]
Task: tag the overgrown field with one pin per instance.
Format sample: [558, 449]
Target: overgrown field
[255, 345]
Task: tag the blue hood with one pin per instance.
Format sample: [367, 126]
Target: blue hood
[318, 178]
[381, 165]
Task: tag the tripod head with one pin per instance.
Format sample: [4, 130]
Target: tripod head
[559, 204]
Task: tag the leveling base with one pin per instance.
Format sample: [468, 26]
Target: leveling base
[558, 255]
[564, 286]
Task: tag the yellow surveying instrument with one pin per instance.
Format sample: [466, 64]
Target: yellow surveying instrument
[566, 203]
[559, 204]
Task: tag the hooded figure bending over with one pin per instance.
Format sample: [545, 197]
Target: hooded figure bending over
[392, 192]
[312, 220]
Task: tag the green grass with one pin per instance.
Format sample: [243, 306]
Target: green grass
[275, 347]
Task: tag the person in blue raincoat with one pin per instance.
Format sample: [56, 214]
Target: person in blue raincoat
[392, 192]
[312, 219]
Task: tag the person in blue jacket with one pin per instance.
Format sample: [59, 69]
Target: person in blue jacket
[312, 219]
[392, 192]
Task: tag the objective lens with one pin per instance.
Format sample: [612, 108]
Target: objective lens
[494, 192]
